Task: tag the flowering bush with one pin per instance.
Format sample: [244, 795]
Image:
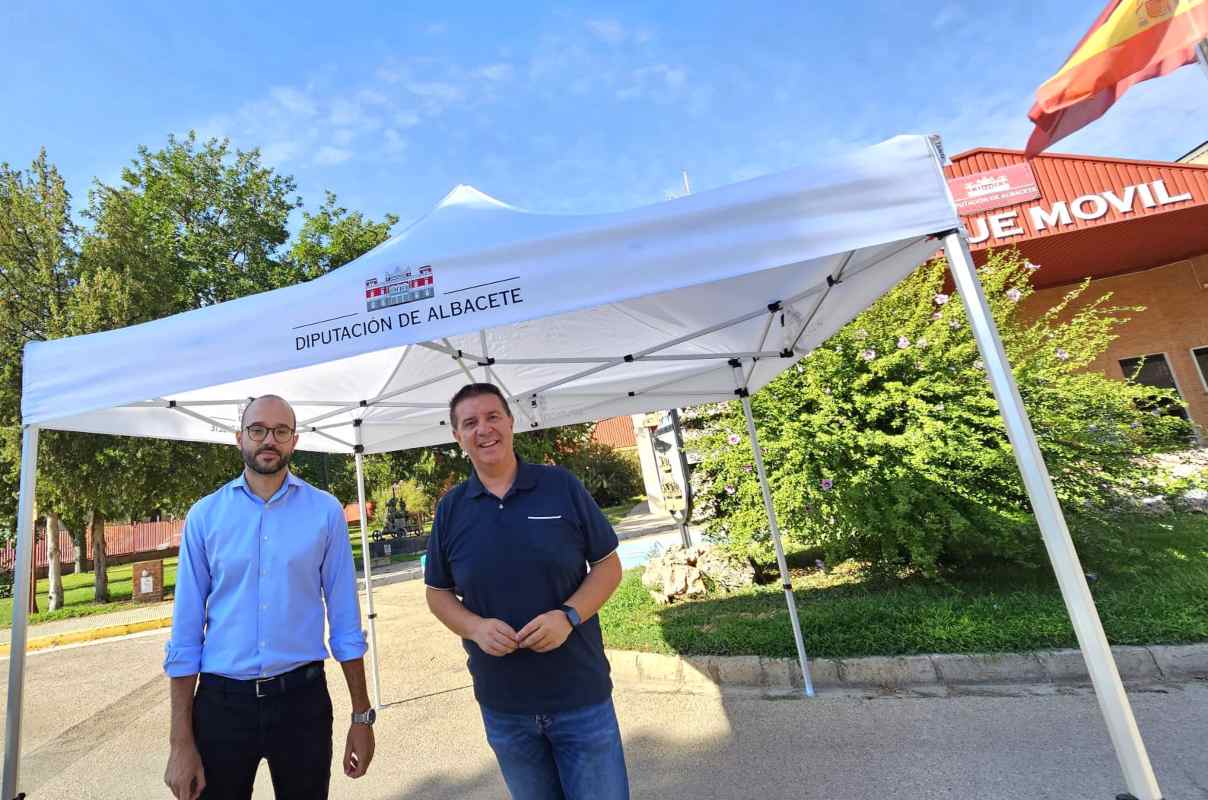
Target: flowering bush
[885, 444]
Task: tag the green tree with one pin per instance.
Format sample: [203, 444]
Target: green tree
[885, 444]
[333, 236]
[186, 226]
[37, 271]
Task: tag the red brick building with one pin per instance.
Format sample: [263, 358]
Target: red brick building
[1138, 228]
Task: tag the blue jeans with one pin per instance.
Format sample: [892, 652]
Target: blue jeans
[568, 755]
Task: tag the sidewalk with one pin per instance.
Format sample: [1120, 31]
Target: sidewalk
[96, 626]
[642, 520]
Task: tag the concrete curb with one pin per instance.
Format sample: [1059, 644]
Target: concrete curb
[1154, 663]
[90, 634]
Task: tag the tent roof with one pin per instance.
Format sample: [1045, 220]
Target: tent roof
[576, 317]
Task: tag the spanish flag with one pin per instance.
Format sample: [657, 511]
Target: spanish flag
[1130, 42]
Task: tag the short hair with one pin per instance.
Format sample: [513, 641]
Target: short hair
[251, 400]
[476, 390]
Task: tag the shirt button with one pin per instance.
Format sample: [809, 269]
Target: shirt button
[262, 644]
[501, 505]
[266, 538]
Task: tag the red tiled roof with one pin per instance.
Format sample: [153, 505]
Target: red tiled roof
[616, 432]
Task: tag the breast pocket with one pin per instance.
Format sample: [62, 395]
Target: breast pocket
[554, 537]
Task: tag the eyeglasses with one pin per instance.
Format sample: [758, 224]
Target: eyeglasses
[282, 433]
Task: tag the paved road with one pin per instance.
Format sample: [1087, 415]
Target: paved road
[97, 722]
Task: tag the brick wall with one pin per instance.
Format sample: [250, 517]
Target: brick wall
[1175, 321]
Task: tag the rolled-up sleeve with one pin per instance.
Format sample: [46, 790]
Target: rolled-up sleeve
[339, 578]
[183, 650]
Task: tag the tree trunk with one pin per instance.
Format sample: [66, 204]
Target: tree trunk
[80, 537]
[97, 530]
[54, 573]
[32, 605]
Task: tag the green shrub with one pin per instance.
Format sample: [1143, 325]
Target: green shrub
[610, 476]
[416, 498]
[885, 444]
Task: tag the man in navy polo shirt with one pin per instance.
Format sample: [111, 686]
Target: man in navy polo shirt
[507, 571]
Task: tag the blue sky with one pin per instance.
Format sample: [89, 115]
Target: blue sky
[574, 107]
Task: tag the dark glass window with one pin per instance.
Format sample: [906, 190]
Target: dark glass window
[1153, 370]
[1201, 360]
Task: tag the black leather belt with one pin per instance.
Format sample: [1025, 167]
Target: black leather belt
[266, 687]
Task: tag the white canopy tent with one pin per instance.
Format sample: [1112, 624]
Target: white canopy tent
[576, 318]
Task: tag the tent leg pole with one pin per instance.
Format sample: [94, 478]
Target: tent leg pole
[22, 576]
[1113, 702]
[785, 580]
[373, 654]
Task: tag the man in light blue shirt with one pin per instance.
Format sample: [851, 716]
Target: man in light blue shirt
[261, 560]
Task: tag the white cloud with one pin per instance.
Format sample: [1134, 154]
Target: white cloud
[406, 119]
[949, 14]
[496, 72]
[343, 136]
[276, 154]
[293, 101]
[329, 156]
[395, 143]
[607, 30]
[661, 82]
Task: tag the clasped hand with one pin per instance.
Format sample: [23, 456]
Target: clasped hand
[545, 632]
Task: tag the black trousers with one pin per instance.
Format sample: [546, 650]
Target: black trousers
[292, 730]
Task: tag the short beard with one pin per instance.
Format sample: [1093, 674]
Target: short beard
[250, 460]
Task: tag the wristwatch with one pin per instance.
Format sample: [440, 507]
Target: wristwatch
[572, 615]
[365, 718]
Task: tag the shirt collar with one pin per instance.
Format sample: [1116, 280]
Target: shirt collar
[290, 480]
[526, 478]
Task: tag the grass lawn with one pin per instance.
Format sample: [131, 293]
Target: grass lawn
[78, 594]
[1153, 592]
[78, 589]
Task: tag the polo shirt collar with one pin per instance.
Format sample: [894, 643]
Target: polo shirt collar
[526, 478]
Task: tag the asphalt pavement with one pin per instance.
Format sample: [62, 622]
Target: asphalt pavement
[97, 719]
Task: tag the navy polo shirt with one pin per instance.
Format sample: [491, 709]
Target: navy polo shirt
[514, 558]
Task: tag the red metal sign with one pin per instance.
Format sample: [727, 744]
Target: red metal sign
[994, 188]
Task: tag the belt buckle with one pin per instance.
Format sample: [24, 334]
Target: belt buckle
[259, 681]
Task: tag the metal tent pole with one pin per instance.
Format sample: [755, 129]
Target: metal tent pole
[786, 582]
[1113, 702]
[22, 577]
[373, 654]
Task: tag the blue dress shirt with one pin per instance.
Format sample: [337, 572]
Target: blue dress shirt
[252, 581]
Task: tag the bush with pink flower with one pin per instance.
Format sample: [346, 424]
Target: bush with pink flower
[887, 446]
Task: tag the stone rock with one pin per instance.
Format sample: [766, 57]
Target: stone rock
[1194, 500]
[725, 572]
[688, 572]
[1153, 505]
